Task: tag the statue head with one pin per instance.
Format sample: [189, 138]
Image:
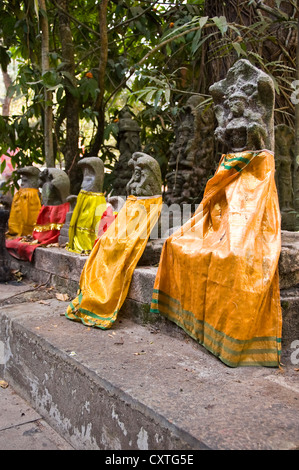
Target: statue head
[129, 131]
[55, 186]
[146, 178]
[29, 176]
[93, 174]
[244, 108]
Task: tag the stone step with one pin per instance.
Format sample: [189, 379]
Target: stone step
[61, 269]
[139, 387]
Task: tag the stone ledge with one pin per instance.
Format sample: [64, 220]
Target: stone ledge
[136, 388]
[62, 269]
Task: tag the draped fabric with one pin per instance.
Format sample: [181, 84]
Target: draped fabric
[106, 275]
[46, 231]
[24, 212]
[218, 274]
[85, 221]
[107, 218]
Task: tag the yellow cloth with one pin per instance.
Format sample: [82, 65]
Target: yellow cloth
[106, 276]
[218, 275]
[85, 221]
[24, 212]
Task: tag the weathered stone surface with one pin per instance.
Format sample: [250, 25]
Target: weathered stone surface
[55, 186]
[244, 108]
[128, 142]
[192, 155]
[136, 388]
[29, 176]
[289, 259]
[284, 171]
[93, 174]
[146, 177]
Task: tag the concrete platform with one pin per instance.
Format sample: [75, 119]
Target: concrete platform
[139, 386]
[143, 385]
[22, 428]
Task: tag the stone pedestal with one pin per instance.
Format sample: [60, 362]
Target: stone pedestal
[5, 274]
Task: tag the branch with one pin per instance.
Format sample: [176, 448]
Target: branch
[259, 5]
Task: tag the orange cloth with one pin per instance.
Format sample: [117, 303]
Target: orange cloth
[218, 275]
[107, 273]
[24, 212]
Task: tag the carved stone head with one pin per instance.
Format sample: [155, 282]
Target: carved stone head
[244, 108]
[146, 179]
[55, 186]
[93, 174]
[29, 176]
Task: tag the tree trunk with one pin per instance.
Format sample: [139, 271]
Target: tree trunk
[99, 106]
[48, 111]
[70, 150]
[7, 99]
[296, 163]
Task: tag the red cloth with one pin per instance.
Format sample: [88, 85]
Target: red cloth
[47, 230]
[106, 220]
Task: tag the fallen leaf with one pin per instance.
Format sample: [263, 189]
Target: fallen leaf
[3, 384]
[62, 297]
[120, 341]
[73, 353]
[44, 302]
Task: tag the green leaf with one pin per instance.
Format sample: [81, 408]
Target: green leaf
[3, 165]
[221, 23]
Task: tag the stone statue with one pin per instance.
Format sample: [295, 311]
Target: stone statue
[29, 176]
[6, 197]
[284, 169]
[55, 186]
[26, 203]
[192, 155]
[128, 142]
[91, 191]
[146, 179]
[93, 174]
[244, 108]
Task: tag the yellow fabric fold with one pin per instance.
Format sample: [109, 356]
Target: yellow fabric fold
[24, 212]
[218, 275]
[85, 221]
[106, 276]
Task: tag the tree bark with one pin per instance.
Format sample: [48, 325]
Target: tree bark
[7, 99]
[48, 111]
[99, 105]
[70, 150]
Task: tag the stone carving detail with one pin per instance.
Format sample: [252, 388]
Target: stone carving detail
[244, 108]
[146, 179]
[93, 174]
[29, 176]
[55, 186]
[192, 161]
[128, 143]
[284, 170]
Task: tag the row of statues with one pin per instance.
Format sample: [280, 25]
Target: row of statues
[43, 204]
[242, 109]
[218, 274]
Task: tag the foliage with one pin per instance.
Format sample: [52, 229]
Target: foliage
[157, 56]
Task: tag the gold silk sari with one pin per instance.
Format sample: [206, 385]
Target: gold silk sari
[85, 221]
[106, 275]
[218, 274]
[24, 211]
